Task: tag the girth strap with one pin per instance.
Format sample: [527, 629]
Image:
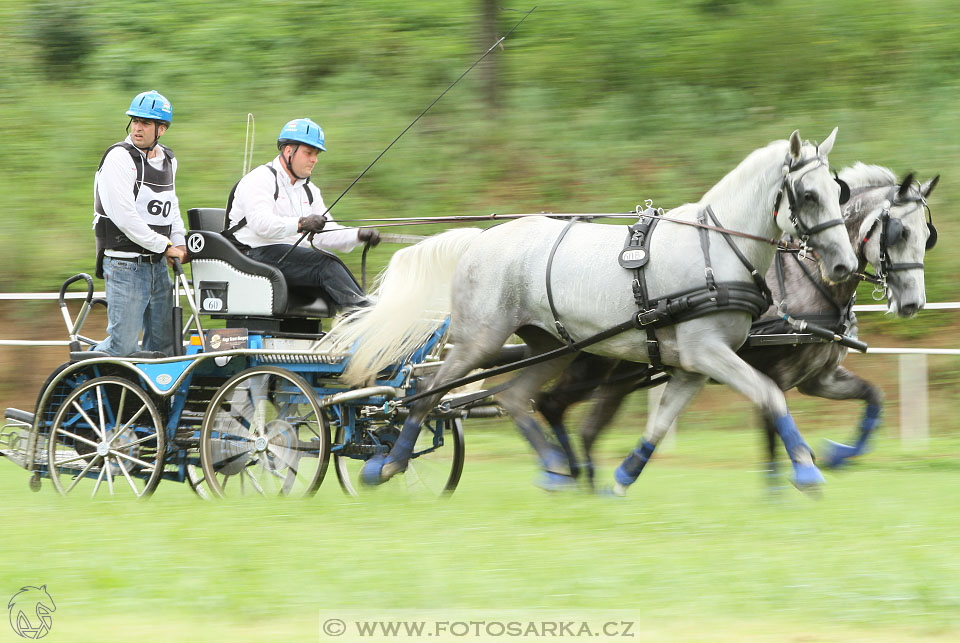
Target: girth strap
[553, 309]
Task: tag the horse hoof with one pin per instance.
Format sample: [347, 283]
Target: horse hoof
[550, 481]
[371, 473]
[615, 491]
[839, 454]
[807, 477]
[392, 468]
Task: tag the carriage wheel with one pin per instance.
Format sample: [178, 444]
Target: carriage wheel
[264, 434]
[434, 469]
[107, 437]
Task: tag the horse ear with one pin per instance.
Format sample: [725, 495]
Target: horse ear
[905, 186]
[827, 145]
[795, 145]
[927, 187]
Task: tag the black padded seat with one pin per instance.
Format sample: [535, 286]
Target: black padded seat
[242, 286]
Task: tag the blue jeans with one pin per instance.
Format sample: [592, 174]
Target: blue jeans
[139, 296]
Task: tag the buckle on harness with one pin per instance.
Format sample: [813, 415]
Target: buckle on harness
[654, 315]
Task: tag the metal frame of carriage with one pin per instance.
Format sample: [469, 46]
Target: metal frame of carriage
[254, 410]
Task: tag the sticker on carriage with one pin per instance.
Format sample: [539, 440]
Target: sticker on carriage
[225, 339]
[30, 612]
[164, 375]
[195, 243]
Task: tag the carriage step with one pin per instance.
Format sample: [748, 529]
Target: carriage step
[18, 416]
[16, 456]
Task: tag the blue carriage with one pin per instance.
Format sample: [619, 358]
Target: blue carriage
[255, 408]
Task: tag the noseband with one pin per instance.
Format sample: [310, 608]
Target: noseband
[796, 196]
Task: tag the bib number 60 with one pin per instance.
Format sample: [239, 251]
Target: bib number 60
[157, 206]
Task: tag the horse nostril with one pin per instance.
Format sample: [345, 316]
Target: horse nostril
[909, 309]
[841, 271]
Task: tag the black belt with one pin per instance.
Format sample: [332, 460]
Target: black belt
[140, 258]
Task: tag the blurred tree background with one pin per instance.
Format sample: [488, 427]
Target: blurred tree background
[589, 107]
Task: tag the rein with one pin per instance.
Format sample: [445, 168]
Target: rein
[780, 244]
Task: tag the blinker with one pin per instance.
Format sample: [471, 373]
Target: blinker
[844, 189]
[893, 231]
[932, 239]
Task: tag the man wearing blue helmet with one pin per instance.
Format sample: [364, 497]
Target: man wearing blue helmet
[137, 224]
[274, 203]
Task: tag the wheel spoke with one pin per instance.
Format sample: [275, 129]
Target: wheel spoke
[103, 419]
[83, 474]
[92, 424]
[121, 454]
[127, 425]
[107, 468]
[76, 437]
[126, 475]
[123, 398]
[96, 486]
[253, 481]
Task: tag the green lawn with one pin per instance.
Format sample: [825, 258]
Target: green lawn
[698, 551]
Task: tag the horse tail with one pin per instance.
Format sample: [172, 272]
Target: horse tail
[412, 297]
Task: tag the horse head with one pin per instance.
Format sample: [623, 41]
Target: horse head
[811, 209]
[894, 238]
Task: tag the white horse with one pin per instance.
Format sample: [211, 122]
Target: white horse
[493, 284]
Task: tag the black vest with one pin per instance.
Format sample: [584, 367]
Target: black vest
[151, 205]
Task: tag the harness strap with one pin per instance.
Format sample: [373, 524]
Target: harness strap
[758, 279]
[553, 309]
[230, 232]
[529, 361]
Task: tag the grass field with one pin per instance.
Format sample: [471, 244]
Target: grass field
[698, 551]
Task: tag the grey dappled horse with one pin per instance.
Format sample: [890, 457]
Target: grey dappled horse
[492, 283]
[896, 249]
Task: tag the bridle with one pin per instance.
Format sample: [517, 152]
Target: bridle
[796, 196]
[891, 233]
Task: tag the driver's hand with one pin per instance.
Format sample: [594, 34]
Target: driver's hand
[177, 252]
[312, 223]
[369, 235]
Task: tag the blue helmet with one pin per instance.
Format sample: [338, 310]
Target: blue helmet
[301, 130]
[152, 105]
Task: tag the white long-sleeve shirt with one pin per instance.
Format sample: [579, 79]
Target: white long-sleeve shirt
[114, 184]
[271, 221]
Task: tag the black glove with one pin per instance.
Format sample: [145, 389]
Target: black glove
[370, 235]
[312, 223]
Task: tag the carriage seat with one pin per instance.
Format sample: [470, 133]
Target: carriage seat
[230, 284]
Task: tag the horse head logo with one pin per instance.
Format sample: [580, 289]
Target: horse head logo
[30, 612]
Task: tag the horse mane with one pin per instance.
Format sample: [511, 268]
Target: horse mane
[862, 175]
[730, 190]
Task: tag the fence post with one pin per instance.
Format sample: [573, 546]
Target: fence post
[914, 421]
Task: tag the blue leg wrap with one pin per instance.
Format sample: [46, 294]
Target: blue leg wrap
[805, 476]
[629, 470]
[405, 441]
[871, 418]
[370, 473]
[551, 458]
[791, 437]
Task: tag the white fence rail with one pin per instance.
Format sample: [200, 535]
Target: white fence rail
[914, 416]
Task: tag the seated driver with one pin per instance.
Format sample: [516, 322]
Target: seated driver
[274, 203]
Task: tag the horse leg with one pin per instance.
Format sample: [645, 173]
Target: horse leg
[682, 387]
[575, 384]
[841, 384]
[770, 441]
[516, 401]
[720, 362]
[608, 400]
[462, 359]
